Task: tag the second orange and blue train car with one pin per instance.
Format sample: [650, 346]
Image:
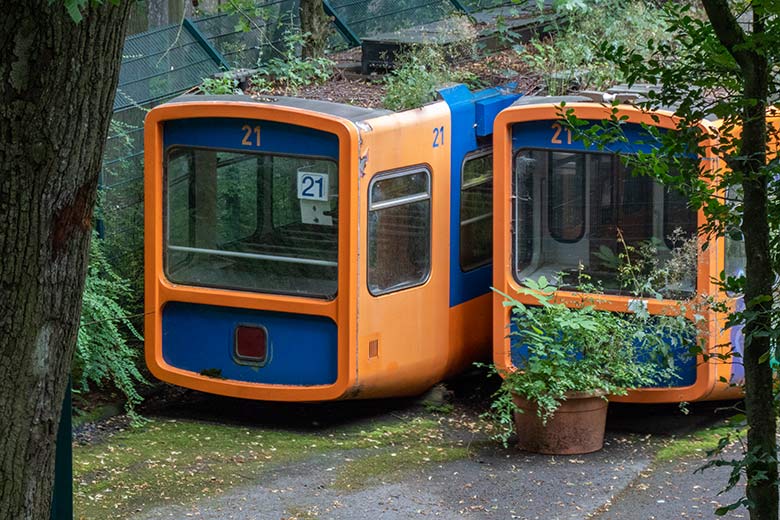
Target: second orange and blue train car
[559, 204]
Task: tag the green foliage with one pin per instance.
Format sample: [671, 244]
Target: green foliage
[103, 355]
[418, 73]
[223, 84]
[120, 205]
[290, 72]
[577, 348]
[572, 58]
[573, 349]
[248, 11]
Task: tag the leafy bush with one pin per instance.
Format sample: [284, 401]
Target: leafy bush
[103, 353]
[573, 349]
[577, 348]
[224, 84]
[572, 58]
[290, 72]
[419, 72]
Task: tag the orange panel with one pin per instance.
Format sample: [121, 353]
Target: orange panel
[411, 325]
[470, 329]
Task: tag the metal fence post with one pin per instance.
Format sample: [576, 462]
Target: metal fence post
[343, 28]
[204, 42]
[62, 496]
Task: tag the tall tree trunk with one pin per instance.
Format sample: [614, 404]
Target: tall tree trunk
[748, 51]
[762, 491]
[57, 83]
[316, 23]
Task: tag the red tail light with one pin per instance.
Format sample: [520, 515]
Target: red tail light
[251, 346]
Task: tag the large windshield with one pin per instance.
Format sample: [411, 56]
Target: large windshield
[251, 221]
[581, 213]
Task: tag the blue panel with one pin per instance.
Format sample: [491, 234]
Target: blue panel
[685, 364]
[229, 133]
[488, 109]
[303, 350]
[466, 119]
[540, 134]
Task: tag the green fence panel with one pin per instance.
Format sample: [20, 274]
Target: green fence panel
[372, 18]
[245, 39]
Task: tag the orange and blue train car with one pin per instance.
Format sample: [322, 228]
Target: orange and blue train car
[559, 203]
[300, 250]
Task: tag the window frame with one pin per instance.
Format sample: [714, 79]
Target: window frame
[258, 153]
[385, 204]
[515, 206]
[477, 154]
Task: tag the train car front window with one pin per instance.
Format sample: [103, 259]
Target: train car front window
[575, 213]
[253, 222]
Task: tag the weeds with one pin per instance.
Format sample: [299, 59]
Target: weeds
[573, 58]
[420, 71]
[290, 72]
[224, 84]
[103, 354]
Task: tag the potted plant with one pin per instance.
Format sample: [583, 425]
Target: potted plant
[568, 359]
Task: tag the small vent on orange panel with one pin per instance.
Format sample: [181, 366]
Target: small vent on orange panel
[373, 348]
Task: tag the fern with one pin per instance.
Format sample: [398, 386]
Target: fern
[103, 355]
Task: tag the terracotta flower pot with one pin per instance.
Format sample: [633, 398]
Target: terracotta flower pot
[576, 427]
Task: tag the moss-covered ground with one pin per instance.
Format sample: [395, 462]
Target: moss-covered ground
[699, 443]
[179, 461]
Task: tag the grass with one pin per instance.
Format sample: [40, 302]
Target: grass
[401, 447]
[177, 461]
[180, 459]
[700, 442]
[392, 465]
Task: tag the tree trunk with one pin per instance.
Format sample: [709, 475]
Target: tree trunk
[762, 492]
[750, 52]
[57, 83]
[316, 23]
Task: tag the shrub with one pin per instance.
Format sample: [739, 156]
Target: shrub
[224, 84]
[419, 72]
[103, 354]
[290, 72]
[572, 58]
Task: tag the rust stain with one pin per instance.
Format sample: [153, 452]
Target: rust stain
[71, 218]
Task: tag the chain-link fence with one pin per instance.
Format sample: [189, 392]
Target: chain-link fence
[158, 65]
[162, 63]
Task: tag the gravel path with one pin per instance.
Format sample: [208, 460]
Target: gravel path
[491, 484]
[674, 490]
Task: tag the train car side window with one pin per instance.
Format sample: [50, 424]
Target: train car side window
[476, 211]
[399, 230]
[736, 260]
